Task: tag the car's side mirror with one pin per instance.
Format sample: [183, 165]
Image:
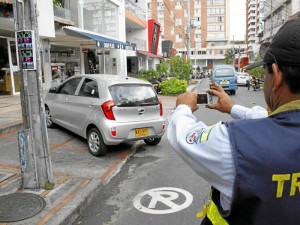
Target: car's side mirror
[53, 90]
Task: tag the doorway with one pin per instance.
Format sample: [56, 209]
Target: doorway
[9, 80]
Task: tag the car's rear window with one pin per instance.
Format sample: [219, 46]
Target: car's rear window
[224, 72]
[133, 95]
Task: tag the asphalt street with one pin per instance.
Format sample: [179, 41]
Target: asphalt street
[155, 186]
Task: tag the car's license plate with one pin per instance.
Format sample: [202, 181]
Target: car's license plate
[139, 132]
[224, 82]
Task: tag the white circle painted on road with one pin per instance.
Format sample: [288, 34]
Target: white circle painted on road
[162, 200]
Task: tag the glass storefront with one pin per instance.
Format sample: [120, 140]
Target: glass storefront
[65, 62]
[9, 80]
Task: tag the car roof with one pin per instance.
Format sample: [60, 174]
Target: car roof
[223, 66]
[112, 79]
[242, 73]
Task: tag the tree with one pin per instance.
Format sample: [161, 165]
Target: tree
[180, 68]
[163, 69]
[259, 71]
[229, 57]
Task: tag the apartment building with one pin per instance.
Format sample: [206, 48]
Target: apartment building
[270, 15]
[205, 24]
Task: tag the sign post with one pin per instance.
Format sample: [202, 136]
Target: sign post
[35, 160]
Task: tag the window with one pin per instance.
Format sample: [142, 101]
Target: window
[133, 95]
[172, 30]
[178, 21]
[69, 87]
[224, 72]
[89, 88]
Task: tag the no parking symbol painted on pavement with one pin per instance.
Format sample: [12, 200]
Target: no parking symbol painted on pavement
[162, 200]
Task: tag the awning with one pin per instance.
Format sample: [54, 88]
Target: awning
[101, 41]
[6, 1]
[148, 54]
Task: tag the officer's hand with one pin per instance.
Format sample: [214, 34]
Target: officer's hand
[224, 103]
[189, 99]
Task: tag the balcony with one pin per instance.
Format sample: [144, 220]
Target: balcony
[135, 16]
[135, 10]
[62, 15]
[6, 10]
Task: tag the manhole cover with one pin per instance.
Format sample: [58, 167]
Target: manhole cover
[20, 206]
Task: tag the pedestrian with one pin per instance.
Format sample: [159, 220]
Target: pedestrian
[254, 84]
[252, 163]
[248, 83]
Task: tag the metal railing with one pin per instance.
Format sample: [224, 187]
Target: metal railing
[62, 13]
[136, 10]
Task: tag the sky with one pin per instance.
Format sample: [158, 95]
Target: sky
[237, 19]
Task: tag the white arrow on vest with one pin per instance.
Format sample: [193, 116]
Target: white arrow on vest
[164, 195]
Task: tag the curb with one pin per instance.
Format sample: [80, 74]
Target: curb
[11, 127]
[71, 196]
[74, 208]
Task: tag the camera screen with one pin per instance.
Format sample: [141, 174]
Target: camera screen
[202, 99]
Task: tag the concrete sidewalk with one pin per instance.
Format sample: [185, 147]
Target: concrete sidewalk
[78, 175]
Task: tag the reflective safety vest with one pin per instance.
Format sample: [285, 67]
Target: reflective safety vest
[267, 183]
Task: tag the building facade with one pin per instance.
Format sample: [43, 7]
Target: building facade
[201, 26]
[81, 37]
[269, 16]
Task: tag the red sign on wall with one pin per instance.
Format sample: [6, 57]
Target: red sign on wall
[153, 36]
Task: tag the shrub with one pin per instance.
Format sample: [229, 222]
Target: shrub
[148, 74]
[173, 86]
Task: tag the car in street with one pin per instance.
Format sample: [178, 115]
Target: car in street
[242, 78]
[106, 110]
[226, 76]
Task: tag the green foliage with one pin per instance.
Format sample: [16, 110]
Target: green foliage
[49, 185]
[57, 3]
[148, 74]
[163, 69]
[180, 68]
[258, 72]
[173, 86]
[229, 57]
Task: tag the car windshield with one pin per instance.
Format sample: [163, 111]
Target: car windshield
[224, 72]
[133, 95]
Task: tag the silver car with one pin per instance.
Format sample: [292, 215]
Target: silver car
[106, 110]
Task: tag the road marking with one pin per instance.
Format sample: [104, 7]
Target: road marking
[162, 200]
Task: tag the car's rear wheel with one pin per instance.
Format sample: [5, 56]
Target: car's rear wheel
[95, 142]
[49, 121]
[152, 141]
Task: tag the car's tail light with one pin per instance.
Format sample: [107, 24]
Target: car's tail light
[113, 131]
[160, 108]
[107, 108]
[164, 126]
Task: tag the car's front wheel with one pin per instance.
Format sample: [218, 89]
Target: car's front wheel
[49, 121]
[95, 142]
[152, 141]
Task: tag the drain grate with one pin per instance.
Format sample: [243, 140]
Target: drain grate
[20, 206]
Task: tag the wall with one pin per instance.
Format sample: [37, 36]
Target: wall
[45, 18]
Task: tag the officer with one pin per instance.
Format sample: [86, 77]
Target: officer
[252, 163]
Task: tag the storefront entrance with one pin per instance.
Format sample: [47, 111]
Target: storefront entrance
[9, 80]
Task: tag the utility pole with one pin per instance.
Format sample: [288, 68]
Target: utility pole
[35, 160]
[188, 31]
[239, 58]
[233, 52]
